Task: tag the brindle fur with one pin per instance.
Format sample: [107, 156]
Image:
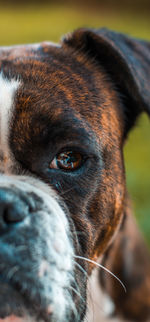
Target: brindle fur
[87, 92]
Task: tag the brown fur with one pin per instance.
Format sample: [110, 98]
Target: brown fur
[71, 86]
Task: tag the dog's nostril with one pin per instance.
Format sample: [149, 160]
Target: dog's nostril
[12, 214]
[12, 208]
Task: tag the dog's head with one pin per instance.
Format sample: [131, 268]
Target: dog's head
[65, 112]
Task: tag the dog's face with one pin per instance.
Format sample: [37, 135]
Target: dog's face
[62, 182]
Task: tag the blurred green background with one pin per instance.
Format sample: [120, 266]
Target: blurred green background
[34, 21]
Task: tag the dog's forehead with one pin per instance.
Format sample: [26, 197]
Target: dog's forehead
[57, 72]
[55, 84]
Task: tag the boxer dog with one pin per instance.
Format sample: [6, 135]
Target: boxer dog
[65, 114]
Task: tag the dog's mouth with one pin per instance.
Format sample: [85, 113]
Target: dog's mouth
[28, 307]
[36, 259]
[13, 318]
[28, 298]
[18, 307]
[24, 300]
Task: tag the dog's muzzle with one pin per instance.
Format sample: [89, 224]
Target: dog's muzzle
[36, 253]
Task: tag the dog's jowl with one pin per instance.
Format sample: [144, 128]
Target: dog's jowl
[65, 113]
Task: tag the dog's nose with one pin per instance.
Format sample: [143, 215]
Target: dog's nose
[12, 208]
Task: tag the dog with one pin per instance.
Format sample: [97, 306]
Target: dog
[65, 113]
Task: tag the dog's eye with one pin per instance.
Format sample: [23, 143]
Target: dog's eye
[67, 161]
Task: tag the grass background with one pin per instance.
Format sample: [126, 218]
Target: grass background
[34, 23]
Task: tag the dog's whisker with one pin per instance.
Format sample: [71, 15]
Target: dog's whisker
[78, 233]
[104, 268]
[66, 191]
[12, 271]
[81, 268]
[21, 248]
[73, 307]
[77, 293]
[76, 285]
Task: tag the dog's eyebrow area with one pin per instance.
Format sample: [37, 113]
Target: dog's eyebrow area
[49, 128]
[63, 127]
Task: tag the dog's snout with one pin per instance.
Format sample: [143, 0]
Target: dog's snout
[12, 208]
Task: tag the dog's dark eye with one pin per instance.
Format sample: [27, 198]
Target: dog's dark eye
[67, 161]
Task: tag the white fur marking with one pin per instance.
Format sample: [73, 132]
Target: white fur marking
[97, 308]
[109, 307]
[8, 89]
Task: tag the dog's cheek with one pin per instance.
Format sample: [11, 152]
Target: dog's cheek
[105, 210]
[111, 194]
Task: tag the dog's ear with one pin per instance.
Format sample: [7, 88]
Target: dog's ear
[126, 60]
